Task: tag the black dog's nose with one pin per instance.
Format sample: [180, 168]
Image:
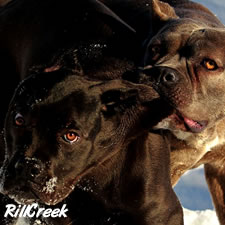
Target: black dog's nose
[28, 167]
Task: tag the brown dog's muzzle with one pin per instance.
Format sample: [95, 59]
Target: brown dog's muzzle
[168, 82]
[160, 76]
[177, 90]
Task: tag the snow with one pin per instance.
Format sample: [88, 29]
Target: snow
[206, 217]
[50, 185]
[193, 193]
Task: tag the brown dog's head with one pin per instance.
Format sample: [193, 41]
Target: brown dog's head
[58, 128]
[185, 63]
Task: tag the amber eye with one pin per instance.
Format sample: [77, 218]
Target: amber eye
[71, 137]
[19, 120]
[209, 64]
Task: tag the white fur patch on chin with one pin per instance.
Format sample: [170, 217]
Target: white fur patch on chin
[50, 185]
[166, 125]
[181, 135]
[202, 141]
[212, 144]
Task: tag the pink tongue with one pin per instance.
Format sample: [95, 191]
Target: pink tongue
[192, 123]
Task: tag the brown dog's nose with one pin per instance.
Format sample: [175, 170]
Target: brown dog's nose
[159, 76]
[28, 167]
[169, 77]
[164, 76]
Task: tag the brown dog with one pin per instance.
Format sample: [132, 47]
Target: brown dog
[184, 60]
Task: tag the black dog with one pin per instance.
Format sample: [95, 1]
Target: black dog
[81, 135]
[88, 31]
[35, 36]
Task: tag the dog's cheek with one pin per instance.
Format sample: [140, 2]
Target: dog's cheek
[9, 138]
[70, 167]
[72, 159]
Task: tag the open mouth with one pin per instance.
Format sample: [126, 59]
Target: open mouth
[187, 124]
[179, 122]
[195, 126]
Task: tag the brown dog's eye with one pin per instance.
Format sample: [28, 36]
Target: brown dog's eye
[71, 137]
[210, 64]
[19, 120]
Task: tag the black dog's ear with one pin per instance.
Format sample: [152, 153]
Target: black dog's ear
[4, 2]
[163, 11]
[118, 100]
[110, 17]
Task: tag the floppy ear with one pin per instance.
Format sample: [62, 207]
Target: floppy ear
[110, 17]
[117, 96]
[118, 100]
[163, 11]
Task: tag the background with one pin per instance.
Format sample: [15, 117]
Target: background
[192, 189]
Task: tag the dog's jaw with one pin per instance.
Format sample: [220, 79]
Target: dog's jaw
[206, 140]
[166, 124]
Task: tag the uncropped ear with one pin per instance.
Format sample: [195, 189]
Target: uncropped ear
[118, 100]
[110, 17]
[163, 11]
[4, 2]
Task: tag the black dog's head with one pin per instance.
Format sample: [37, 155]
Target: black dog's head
[58, 128]
[185, 63]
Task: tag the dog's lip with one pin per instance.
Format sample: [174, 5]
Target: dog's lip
[58, 195]
[194, 126]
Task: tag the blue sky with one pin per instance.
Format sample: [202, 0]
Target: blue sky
[216, 6]
[193, 192]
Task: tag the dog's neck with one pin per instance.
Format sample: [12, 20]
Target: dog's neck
[127, 166]
[194, 149]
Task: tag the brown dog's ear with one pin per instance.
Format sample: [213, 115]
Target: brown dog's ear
[163, 11]
[110, 17]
